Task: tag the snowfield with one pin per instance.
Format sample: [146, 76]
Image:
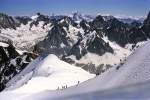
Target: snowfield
[23, 37]
[47, 73]
[130, 81]
[126, 82]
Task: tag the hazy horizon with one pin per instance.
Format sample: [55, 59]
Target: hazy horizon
[62, 7]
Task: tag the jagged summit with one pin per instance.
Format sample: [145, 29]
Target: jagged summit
[52, 70]
[146, 25]
[23, 19]
[7, 21]
[55, 42]
[77, 16]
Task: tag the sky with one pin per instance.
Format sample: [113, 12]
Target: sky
[112, 7]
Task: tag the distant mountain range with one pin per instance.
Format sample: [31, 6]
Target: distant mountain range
[92, 43]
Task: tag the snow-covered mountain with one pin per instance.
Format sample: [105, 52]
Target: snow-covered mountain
[28, 33]
[12, 61]
[93, 43]
[78, 17]
[125, 82]
[74, 42]
[134, 71]
[47, 73]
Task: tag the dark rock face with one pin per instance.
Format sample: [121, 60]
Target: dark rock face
[7, 21]
[94, 69]
[12, 52]
[5, 68]
[98, 23]
[117, 31]
[120, 32]
[146, 26]
[136, 24]
[40, 17]
[12, 22]
[57, 41]
[7, 53]
[77, 50]
[24, 20]
[54, 41]
[3, 55]
[58, 36]
[85, 25]
[11, 63]
[136, 35]
[93, 44]
[99, 46]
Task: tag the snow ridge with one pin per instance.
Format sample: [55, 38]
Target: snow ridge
[48, 72]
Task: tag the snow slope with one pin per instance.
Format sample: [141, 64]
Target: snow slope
[47, 73]
[130, 81]
[24, 37]
[135, 71]
[138, 91]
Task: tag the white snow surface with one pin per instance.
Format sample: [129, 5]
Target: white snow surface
[48, 73]
[127, 82]
[130, 81]
[24, 38]
[136, 69]
[3, 44]
[34, 17]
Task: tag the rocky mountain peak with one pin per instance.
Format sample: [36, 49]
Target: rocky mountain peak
[7, 21]
[11, 62]
[55, 42]
[24, 19]
[146, 25]
[77, 16]
[39, 18]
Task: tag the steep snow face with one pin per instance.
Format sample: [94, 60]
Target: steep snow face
[130, 81]
[25, 37]
[134, 70]
[47, 73]
[117, 83]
